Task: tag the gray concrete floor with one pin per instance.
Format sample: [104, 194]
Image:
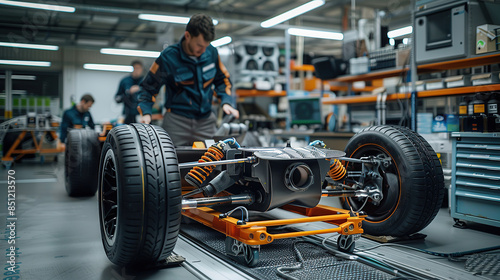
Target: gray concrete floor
[58, 236]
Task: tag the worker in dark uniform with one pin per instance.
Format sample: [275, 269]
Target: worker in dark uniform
[77, 116]
[192, 72]
[128, 90]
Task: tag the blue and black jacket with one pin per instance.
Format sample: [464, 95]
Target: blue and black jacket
[72, 118]
[190, 85]
[123, 95]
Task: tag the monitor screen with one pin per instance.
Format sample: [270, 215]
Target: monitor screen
[305, 110]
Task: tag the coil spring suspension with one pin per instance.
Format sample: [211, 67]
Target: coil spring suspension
[198, 175]
[337, 170]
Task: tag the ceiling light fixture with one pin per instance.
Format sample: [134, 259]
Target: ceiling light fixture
[315, 33]
[292, 13]
[222, 41]
[57, 8]
[400, 32]
[26, 63]
[20, 77]
[29, 46]
[169, 19]
[126, 52]
[108, 67]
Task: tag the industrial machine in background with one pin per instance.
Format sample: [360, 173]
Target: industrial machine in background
[446, 29]
[389, 179]
[252, 64]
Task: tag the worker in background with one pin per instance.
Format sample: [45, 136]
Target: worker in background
[128, 90]
[77, 116]
[192, 72]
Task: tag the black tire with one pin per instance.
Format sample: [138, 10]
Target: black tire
[413, 185]
[81, 162]
[139, 195]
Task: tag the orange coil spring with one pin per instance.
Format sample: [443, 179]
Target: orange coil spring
[337, 170]
[197, 175]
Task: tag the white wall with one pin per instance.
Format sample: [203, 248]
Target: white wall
[102, 85]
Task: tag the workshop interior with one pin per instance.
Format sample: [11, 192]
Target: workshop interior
[362, 139]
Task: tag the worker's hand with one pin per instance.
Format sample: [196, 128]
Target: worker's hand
[146, 119]
[228, 109]
[134, 89]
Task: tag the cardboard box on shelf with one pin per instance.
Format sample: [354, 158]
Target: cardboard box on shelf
[486, 38]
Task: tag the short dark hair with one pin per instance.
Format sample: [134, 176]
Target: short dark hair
[87, 97]
[201, 23]
[136, 62]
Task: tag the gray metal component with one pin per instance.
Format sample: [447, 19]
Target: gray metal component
[242, 199]
[288, 153]
[218, 184]
[272, 175]
[374, 194]
[220, 162]
[204, 264]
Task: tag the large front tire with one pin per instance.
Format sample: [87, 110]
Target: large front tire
[413, 184]
[139, 195]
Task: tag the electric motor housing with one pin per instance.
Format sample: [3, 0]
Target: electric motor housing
[287, 175]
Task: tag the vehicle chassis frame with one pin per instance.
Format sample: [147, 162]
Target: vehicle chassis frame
[254, 233]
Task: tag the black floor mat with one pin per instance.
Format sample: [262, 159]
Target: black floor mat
[318, 262]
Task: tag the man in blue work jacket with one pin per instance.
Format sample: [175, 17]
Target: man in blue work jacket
[192, 72]
[128, 90]
[77, 116]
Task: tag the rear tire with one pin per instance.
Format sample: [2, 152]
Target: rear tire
[413, 185]
[139, 195]
[81, 162]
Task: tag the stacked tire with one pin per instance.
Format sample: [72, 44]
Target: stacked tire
[81, 164]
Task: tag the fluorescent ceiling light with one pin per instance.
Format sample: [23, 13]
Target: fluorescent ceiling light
[29, 46]
[57, 8]
[20, 77]
[26, 63]
[126, 52]
[108, 67]
[221, 41]
[170, 19]
[316, 33]
[292, 13]
[400, 32]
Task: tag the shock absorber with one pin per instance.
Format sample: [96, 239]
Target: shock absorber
[337, 170]
[197, 176]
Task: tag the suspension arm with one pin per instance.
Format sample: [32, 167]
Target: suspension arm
[373, 193]
[243, 199]
[220, 162]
